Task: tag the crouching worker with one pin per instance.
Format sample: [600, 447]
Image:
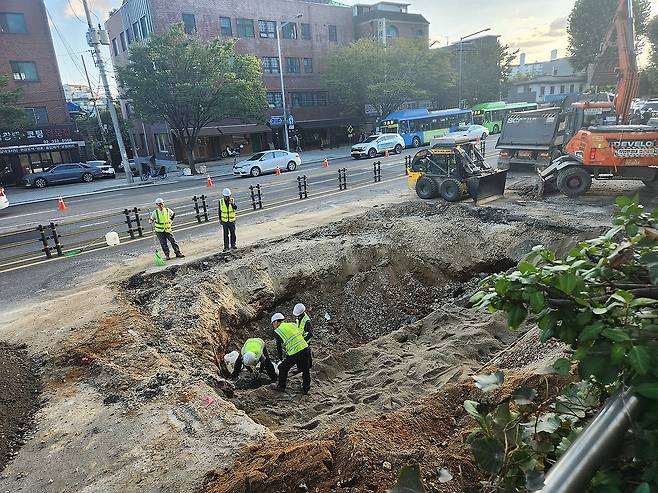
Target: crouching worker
[290, 339]
[253, 352]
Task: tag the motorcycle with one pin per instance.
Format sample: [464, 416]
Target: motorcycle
[232, 151]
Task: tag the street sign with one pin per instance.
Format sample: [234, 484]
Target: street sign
[350, 130]
[291, 120]
[276, 121]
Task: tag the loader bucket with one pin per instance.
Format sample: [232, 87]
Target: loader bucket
[412, 178]
[487, 187]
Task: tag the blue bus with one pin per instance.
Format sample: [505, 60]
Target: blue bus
[417, 127]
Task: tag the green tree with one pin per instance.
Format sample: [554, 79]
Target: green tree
[651, 72]
[11, 113]
[589, 22]
[189, 82]
[95, 141]
[367, 72]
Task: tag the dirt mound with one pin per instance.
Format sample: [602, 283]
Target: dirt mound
[19, 398]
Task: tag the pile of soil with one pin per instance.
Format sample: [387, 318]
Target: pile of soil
[19, 399]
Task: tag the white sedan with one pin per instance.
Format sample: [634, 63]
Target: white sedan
[4, 201]
[471, 131]
[267, 162]
[378, 144]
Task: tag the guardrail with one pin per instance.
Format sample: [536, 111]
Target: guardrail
[43, 242]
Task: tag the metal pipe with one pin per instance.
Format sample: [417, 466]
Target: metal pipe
[597, 443]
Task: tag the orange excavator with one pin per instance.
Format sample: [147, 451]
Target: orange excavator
[610, 152]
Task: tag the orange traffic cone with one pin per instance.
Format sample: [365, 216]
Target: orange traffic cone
[386, 153]
[325, 163]
[209, 183]
[60, 204]
[278, 171]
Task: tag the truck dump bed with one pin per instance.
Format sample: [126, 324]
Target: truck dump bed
[530, 130]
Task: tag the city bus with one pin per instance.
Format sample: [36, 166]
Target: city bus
[417, 127]
[492, 115]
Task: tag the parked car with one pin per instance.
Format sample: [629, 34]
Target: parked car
[378, 144]
[4, 201]
[63, 173]
[471, 131]
[266, 162]
[107, 169]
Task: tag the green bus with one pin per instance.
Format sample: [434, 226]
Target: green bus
[492, 115]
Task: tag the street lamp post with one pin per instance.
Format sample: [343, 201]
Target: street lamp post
[283, 89]
[461, 60]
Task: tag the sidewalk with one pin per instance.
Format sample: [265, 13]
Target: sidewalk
[215, 169]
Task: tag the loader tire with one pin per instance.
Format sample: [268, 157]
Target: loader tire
[574, 181]
[451, 190]
[427, 188]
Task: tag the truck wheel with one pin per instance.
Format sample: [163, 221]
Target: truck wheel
[495, 129]
[573, 181]
[426, 188]
[450, 190]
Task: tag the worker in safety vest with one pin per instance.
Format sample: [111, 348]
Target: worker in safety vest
[291, 340]
[162, 220]
[253, 352]
[227, 208]
[303, 321]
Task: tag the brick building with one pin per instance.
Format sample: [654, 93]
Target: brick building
[386, 21]
[27, 57]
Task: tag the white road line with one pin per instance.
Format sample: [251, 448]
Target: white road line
[93, 224]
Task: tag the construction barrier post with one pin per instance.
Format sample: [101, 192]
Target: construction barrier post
[44, 240]
[196, 209]
[407, 165]
[342, 179]
[256, 197]
[55, 237]
[483, 148]
[377, 171]
[129, 222]
[205, 207]
[259, 196]
[302, 186]
[138, 222]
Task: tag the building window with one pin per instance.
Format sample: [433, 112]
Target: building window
[561, 89]
[136, 31]
[189, 23]
[308, 65]
[12, 23]
[571, 88]
[115, 48]
[129, 35]
[392, 32]
[289, 31]
[245, 28]
[122, 39]
[420, 33]
[554, 71]
[542, 90]
[267, 29]
[142, 141]
[552, 89]
[305, 99]
[38, 115]
[293, 65]
[306, 31]
[24, 71]
[270, 65]
[274, 100]
[162, 142]
[144, 26]
[225, 27]
[333, 33]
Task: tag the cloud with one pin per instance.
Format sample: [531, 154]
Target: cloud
[542, 39]
[74, 8]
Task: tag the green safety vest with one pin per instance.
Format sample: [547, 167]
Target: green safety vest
[254, 345]
[227, 212]
[292, 338]
[162, 222]
[302, 323]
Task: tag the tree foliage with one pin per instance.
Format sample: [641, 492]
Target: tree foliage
[12, 114]
[600, 299]
[189, 82]
[589, 22]
[652, 69]
[367, 72]
[95, 140]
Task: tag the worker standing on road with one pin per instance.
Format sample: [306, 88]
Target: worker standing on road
[162, 219]
[227, 208]
[303, 321]
[253, 352]
[289, 337]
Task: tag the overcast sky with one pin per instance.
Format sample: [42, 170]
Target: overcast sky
[532, 26]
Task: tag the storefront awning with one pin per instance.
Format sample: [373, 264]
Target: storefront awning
[251, 128]
[330, 122]
[56, 146]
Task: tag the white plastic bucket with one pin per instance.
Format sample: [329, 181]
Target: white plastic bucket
[112, 239]
[230, 360]
[187, 172]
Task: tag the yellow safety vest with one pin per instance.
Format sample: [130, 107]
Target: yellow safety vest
[227, 212]
[254, 345]
[162, 222]
[302, 323]
[291, 337]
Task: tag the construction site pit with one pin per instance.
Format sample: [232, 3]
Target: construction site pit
[387, 292]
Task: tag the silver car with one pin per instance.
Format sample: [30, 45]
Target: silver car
[376, 145]
[267, 162]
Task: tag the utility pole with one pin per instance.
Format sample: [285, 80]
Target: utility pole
[94, 41]
[98, 114]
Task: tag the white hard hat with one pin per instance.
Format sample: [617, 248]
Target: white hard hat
[226, 192]
[159, 200]
[299, 309]
[249, 359]
[277, 317]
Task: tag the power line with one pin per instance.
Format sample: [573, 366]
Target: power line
[73, 12]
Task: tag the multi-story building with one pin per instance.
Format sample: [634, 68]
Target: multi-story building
[316, 26]
[27, 57]
[81, 96]
[386, 21]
